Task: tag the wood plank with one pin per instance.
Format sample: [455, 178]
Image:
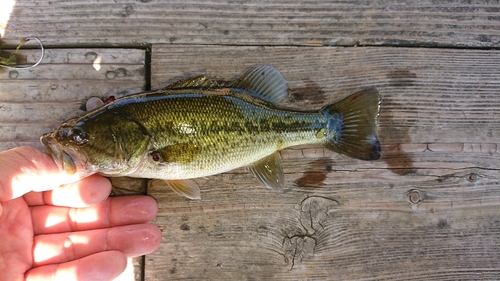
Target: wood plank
[256, 22]
[33, 102]
[427, 210]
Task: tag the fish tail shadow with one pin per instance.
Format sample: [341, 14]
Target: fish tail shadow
[352, 126]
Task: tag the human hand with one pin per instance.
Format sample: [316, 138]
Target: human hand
[70, 232]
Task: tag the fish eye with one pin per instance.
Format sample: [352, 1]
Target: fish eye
[156, 156]
[78, 136]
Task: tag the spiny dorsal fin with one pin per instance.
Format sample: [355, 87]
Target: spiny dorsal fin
[195, 82]
[264, 81]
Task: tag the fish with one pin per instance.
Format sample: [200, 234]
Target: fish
[199, 127]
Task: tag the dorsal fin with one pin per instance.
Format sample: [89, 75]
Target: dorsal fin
[264, 81]
[195, 82]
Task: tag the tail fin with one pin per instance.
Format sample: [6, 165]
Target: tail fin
[357, 136]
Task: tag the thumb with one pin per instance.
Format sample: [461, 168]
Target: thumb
[24, 169]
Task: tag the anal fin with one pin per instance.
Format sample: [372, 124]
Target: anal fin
[269, 171]
[186, 188]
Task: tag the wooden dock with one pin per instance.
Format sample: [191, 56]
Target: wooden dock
[428, 210]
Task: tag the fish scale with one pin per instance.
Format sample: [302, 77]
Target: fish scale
[230, 133]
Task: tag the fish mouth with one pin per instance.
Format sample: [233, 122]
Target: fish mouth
[63, 160]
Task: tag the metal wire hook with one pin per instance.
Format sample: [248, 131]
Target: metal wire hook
[27, 39]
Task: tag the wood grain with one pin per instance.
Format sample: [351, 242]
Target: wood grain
[257, 22]
[36, 101]
[426, 210]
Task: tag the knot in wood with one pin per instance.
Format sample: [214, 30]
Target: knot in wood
[472, 177]
[414, 196]
[315, 211]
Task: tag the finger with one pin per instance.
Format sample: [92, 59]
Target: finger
[113, 212]
[101, 266]
[24, 169]
[89, 191]
[132, 240]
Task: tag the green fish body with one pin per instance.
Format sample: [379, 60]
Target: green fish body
[196, 128]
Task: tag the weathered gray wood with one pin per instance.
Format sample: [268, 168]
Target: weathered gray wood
[36, 101]
[257, 22]
[427, 210]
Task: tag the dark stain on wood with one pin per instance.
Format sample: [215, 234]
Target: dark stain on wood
[398, 162]
[442, 223]
[310, 93]
[311, 179]
[185, 227]
[316, 174]
[401, 78]
[173, 270]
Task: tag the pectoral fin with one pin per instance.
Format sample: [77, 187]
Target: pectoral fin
[269, 171]
[187, 188]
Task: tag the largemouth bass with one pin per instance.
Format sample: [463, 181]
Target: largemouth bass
[196, 128]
